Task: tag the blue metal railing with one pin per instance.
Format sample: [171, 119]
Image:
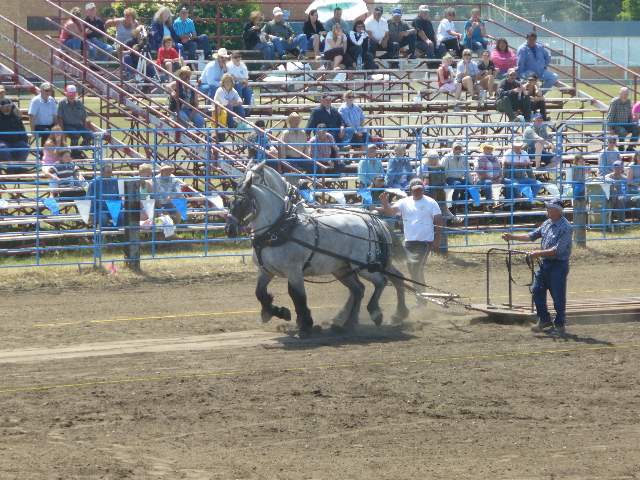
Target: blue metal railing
[89, 218]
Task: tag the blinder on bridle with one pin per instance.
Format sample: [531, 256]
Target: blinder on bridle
[243, 209]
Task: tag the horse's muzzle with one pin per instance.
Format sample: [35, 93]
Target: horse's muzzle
[232, 227]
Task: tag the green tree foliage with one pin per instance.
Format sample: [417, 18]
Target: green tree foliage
[630, 10]
[203, 14]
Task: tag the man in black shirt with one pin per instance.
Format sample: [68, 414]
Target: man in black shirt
[14, 146]
[328, 115]
[512, 97]
[426, 35]
[102, 50]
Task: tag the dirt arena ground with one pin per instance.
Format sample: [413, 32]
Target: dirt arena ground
[170, 376]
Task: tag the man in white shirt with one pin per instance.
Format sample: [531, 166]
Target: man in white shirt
[448, 38]
[42, 112]
[422, 220]
[378, 31]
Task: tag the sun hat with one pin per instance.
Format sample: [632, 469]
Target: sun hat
[486, 145]
[222, 52]
[416, 183]
[424, 8]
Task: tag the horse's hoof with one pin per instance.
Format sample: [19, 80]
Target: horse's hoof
[265, 316]
[376, 318]
[285, 314]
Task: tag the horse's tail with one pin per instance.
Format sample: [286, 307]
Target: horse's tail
[384, 240]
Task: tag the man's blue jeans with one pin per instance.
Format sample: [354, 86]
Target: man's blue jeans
[458, 192]
[189, 115]
[548, 78]
[552, 277]
[485, 186]
[200, 42]
[267, 49]
[245, 92]
[101, 51]
[284, 46]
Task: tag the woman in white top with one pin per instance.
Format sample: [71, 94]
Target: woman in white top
[240, 73]
[124, 25]
[358, 48]
[335, 46]
[447, 34]
[227, 96]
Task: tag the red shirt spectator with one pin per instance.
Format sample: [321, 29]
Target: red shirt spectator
[167, 53]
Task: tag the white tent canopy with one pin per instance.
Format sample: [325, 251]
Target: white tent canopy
[351, 9]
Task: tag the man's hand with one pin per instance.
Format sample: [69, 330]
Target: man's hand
[384, 199]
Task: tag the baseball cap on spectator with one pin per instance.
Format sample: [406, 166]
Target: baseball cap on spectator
[433, 153]
[89, 6]
[423, 8]
[71, 91]
[378, 9]
[457, 145]
[5, 101]
[415, 184]
[46, 86]
[184, 9]
[554, 203]
[277, 11]
[532, 76]
[612, 139]
[617, 163]
[538, 116]
[396, 12]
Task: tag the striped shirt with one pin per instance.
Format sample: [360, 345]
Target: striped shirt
[184, 27]
[556, 235]
[619, 111]
[488, 167]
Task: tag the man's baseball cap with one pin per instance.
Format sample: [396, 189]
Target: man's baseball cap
[618, 163]
[46, 86]
[396, 12]
[89, 6]
[71, 90]
[612, 139]
[457, 145]
[538, 116]
[554, 203]
[423, 8]
[378, 9]
[5, 101]
[277, 11]
[415, 184]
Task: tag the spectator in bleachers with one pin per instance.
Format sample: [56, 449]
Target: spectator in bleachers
[240, 73]
[324, 148]
[377, 29]
[66, 174]
[96, 37]
[102, 188]
[487, 74]
[191, 41]
[14, 144]
[608, 156]
[42, 112]
[260, 147]
[538, 140]
[512, 97]
[456, 168]
[534, 58]
[430, 166]
[329, 116]
[212, 74]
[487, 170]
[467, 73]
[162, 27]
[283, 37]
[370, 167]
[335, 47]
[72, 117]
[517, 171]
[448, 38]
[447, 77]
[353, 117]
[401, 34]
[228, 97]
[72, 32]
[315, 32]
[503, 58]
[337, 18]
[426, 40]
[635, 112]
[536, 96]
[399, 168]
[52, 146]
[254, 39]
[124, 25]
[166, 187]
[633, 174]
[168, 56]
[580, 172]
[184, 101]
[295, 138]
[617, 190]
[358, 47]
[620, 119]
[139, 42]
[475, 33]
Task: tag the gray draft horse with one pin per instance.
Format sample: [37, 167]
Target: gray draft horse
[288, 240]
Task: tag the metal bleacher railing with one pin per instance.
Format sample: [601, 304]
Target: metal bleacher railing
[163, 210]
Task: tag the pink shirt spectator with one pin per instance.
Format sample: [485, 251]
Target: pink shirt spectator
[635, 111]
[504, 60]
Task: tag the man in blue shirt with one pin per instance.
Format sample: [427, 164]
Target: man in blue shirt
[556, 235]
[353, 117]
[534, 58]
[474, 32]
[186, 30]
[212, 74]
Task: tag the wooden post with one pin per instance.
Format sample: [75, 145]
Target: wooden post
[132, 224]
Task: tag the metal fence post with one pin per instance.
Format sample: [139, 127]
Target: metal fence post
[132, 224]
[98, 165]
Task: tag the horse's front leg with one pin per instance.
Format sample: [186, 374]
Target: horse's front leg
[266, 299]
[299, 298]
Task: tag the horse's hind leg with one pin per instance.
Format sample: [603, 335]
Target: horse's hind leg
[373, 307]
[299, 297]
[402, 312]
[351, 310]
[266, 299]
